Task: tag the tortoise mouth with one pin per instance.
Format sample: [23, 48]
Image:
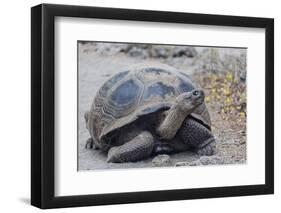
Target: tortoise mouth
[199, 99]
[198, 96]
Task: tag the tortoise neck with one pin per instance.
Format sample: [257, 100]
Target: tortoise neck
[171, 123]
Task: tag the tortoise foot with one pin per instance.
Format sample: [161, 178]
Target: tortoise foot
[90, 144]
[207, 150]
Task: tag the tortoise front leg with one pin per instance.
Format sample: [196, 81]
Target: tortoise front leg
[197, 136]
[136, 149]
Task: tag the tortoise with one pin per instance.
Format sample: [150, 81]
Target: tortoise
[146, 110]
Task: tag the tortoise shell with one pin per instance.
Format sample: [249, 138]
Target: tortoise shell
[138, 91]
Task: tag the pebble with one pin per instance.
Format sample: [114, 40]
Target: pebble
[184, 51]
[211, 160]
[161, 161]
[138, 52]
[185, 163]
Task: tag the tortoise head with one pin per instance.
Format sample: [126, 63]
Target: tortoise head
[188, 101]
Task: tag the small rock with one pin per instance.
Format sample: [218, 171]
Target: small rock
[161, 161]
[243, 76]
[242, 161]
[242, 142]
[159, 52]
[211, 160]
[185, 163]
[237, 158]
[242, 132]
[184, 51]
[138, 52]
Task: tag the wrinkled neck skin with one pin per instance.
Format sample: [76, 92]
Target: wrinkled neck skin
[172, 122]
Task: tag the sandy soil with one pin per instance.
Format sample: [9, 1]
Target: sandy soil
[95, 68]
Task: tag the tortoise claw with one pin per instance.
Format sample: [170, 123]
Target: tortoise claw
[90, 144]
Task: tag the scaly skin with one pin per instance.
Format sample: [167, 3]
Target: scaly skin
[136, 149]
[197, 136]
[192, 135]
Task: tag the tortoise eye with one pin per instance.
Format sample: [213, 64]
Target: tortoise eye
[195, 93]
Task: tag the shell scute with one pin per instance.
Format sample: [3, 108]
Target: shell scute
[158, 90]
[125, 93]
[108, 84]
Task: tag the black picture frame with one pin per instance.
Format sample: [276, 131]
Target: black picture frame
[43, 105]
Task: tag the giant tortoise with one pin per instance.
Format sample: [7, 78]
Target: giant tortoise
[149, 109]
